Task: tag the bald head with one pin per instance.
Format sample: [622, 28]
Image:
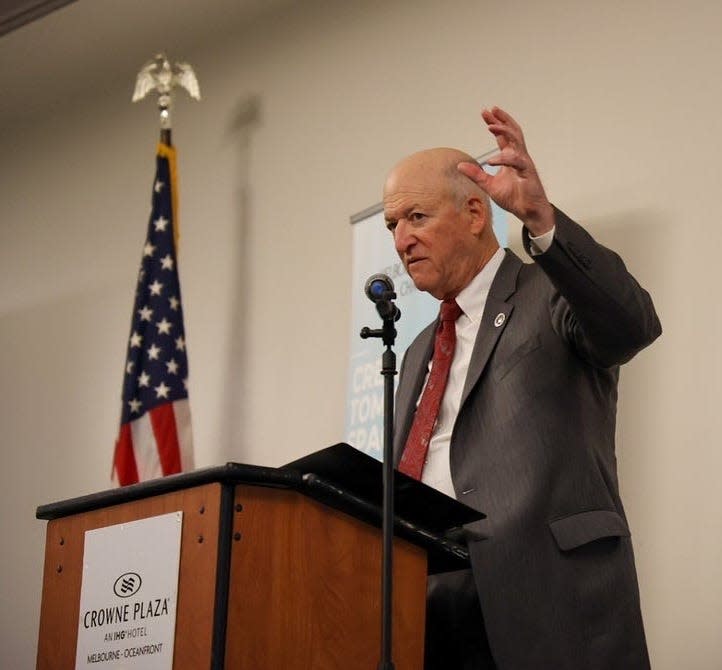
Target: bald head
[436, 168]
[440, 219]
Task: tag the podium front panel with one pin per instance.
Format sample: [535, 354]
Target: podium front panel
[305, 584]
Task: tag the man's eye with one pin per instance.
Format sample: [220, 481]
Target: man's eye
[416, 216]
[391, 226]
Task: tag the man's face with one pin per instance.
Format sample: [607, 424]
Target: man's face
[432, 230]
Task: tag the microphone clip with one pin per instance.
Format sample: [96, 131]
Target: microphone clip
[389, 314]
[386, 308]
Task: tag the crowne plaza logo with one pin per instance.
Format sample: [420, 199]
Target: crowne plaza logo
[127, 585]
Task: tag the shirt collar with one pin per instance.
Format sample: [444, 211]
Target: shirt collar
[472, 298]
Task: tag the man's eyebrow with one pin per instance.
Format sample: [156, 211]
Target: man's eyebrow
[404, 212]
[389, 218]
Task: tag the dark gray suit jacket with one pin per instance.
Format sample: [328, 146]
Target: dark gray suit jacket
[533, 448]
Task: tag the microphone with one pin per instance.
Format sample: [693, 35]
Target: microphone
[380, 290]
[378, 286]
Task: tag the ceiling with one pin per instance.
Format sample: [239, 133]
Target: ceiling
[54, 49]
[16, 13]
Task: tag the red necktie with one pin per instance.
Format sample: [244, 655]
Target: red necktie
[417, 444]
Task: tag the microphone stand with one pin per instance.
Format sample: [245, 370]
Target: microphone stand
[389, 313]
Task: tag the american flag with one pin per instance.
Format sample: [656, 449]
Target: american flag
[155, 426]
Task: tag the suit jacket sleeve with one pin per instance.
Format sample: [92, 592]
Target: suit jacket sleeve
[600, 309]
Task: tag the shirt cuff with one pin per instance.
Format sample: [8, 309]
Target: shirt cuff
[538, 245]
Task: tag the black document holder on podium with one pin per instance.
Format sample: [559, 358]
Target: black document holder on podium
[346, 478]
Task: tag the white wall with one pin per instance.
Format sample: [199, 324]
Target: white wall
[621, 106]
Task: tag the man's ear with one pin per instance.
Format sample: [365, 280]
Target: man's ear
[478, 210]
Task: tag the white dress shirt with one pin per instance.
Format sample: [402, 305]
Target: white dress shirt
[472, 300]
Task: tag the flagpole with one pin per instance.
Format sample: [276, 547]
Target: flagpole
[164, 102]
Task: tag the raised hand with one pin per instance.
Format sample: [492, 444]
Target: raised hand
[516, 186]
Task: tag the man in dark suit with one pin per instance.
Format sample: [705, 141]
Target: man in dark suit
[523, 428]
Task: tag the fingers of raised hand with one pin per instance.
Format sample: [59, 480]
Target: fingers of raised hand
[512, 158]
[503, 127]
[505, 117]
[473, 171]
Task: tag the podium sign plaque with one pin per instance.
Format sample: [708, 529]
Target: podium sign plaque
[128, 595]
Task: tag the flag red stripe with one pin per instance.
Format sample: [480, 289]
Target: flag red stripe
[125, 465]
[162, 419]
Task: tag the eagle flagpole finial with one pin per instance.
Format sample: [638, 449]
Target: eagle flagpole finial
[158, 74]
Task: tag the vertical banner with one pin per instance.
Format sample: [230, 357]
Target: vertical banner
[374, 252]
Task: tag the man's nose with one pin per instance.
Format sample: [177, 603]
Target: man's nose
[403, 238]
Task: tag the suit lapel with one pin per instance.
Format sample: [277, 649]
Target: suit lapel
[497, 312]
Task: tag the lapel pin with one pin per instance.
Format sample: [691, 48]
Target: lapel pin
[500, 318]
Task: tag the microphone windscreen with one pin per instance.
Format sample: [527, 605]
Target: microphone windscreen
[377, 285]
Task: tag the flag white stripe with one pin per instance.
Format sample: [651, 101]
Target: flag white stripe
[145, 448]
[182, 412]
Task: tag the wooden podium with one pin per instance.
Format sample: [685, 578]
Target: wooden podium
[278, 570]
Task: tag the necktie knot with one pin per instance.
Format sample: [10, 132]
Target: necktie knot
[450, 310]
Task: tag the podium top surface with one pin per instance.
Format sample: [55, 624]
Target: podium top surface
[230, 473]
[338, 476]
